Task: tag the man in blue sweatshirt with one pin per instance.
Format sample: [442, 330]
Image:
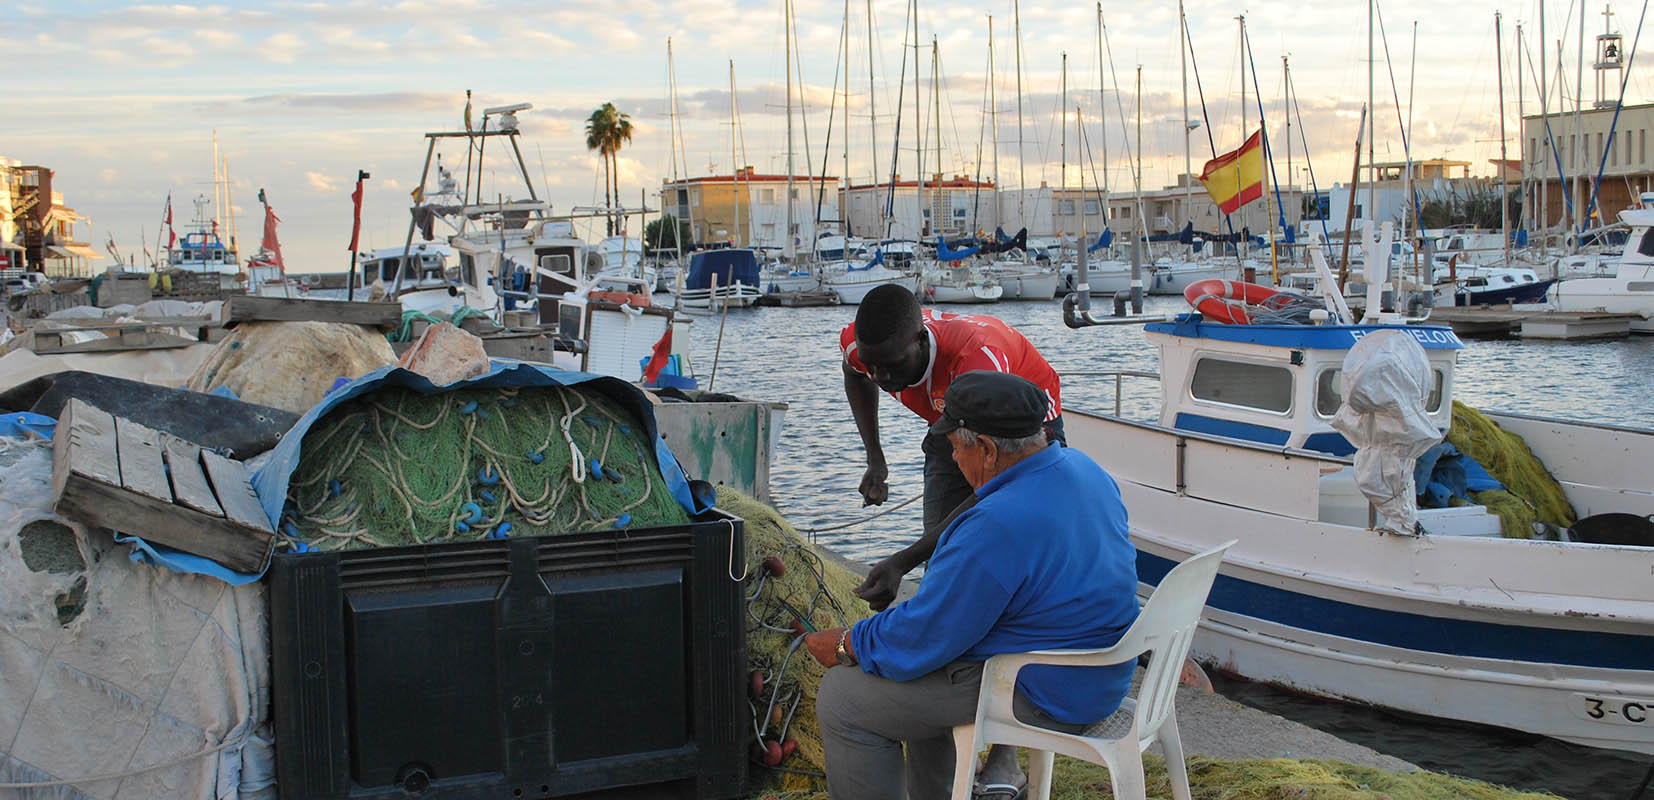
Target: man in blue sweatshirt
[1041, 562]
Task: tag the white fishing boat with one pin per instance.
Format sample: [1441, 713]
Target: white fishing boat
[1630, 288]
[1444, 620]
[623, 258]
[941, 282]
[1024, 279]
[851, 280]
[780, 277]
[1483, 286]
[720, 279]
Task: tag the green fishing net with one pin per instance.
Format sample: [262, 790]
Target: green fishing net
[398, 467]
[1533, 494]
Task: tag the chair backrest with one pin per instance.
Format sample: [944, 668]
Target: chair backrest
[1166, 626]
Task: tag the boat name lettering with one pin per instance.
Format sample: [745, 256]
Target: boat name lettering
[1423, 335]
[1629, 710]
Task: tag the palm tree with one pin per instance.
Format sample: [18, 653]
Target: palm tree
[608, 130]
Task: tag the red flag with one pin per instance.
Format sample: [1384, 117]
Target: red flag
[657, 361]
[270, 242]
[356, 218]
[172, 235]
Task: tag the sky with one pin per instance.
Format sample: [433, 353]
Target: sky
[123, 100]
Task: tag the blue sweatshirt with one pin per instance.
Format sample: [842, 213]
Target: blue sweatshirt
[1041, 562]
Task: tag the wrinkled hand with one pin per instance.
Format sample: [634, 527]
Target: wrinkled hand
[879, 589]
[874, 490]
[823, 646]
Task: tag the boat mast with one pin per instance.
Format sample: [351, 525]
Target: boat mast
[918, 126]
[1504, 167]
[993, 122]
[229, 204]
[1142, 224]
[677, 154]
[1371, 211]
[872, 117]
[1102, 117]
[1412, 80]
[217, 188]
[1022, 173]
[1062, 122]
[786, 33]
[1579, 133]
[936, 114]
[844, 206]
[1521, 222]
[1544, 115]
[1286, 79]
[735, 175]
[1183, 65]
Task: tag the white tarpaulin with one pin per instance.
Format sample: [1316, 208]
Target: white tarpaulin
[121, 680]
[1385, 383]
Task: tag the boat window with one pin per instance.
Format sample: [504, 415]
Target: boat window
[556, 259]
[1646, 246]
[468, 269]
[387, 269]
[1241, 384]
[1329, 392]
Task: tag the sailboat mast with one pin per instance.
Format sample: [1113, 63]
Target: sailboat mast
[936, 113]
[1244, 244]
[1022, 172]
[229, 204]
[1062, 112]
[993, 122]
[918, 123]
[844, 204]
[1102, 115]
[1142, 224]
[680, 155]
[735, 174]
[1371, 211]
[1544, 114]
[1504, 167]
[1579, 131]
[217, 188]
[872, 105]
[1183, 64]
[1521, 110]
[786, 33]
[1286, 80]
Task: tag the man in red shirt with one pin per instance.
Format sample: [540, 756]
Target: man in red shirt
[914, 354]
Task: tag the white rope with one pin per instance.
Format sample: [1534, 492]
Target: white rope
[853, 523]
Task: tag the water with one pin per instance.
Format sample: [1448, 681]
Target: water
[791, 355]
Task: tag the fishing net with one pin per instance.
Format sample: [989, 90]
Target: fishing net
[397, 467]
[790, 586]
[1533, 494]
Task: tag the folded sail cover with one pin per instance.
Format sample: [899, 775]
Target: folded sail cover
[1236, 178]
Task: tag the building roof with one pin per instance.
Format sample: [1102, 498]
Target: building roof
[1586, 112]
[956, 182]
[748, 175]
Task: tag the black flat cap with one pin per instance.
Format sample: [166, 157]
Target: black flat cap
[992, 403]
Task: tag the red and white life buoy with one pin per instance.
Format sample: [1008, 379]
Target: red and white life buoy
[1226, 301]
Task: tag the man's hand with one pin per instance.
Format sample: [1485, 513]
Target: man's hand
[879, 589]
[874, 489]
[823, 646]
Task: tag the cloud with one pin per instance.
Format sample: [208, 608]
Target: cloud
[321, 182]
[282, 48]
[362, 102]
[108, 175]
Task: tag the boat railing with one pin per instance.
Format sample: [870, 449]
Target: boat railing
[1119, 377]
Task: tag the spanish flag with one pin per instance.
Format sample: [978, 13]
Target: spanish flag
[1236, 178]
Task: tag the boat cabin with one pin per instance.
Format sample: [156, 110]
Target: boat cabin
[203, 251]
[1277, 384]
[428, 266]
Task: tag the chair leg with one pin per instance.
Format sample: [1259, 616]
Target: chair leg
[1040, 774]
[964, 761]
[1171, 746]
[1126, 774]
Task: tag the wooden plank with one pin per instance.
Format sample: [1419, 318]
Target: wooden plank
[235, 546]
[155, 342]
[189, 482]
[232, 485]
[84, 444]
[139, 449]
[248, 308]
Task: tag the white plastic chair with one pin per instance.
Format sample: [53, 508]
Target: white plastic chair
[1165, 627]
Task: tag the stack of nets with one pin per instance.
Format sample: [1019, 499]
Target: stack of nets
[1533, 496]
[811, 590]
[398, 467]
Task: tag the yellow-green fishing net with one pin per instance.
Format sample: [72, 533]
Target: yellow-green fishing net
[1533, 494]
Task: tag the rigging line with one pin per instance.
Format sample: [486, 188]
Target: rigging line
[827, 147]
[981, 128]
[1120, 108]
[896, 146]
[870, 518]
[1206, 120]
[1280, 208]
[1389, 64]
[1550, 139]
[1309, 163]
[1613, 125]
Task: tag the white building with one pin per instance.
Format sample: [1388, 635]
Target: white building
[962, 205]
[750, 210]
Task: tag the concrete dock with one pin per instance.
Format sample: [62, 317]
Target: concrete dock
[1507, 320]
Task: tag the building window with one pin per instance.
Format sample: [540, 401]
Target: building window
[766, 195]
[1533, 150]
[1570, 151]
[1599, 144]
[1642, 146]
[1122, 212]
[793, 192]
[1067, 208]
[1091, 208]
[959, 213]
[1613, 153]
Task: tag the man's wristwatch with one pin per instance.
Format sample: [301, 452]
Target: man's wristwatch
[844, 657]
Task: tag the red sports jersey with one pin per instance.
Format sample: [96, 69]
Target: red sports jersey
[960, 343]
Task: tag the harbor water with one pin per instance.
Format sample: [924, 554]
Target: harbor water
[791, 355]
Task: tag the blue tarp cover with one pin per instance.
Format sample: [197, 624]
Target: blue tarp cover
[1106, 239]
[1443, 473]
[944, 254]
[731, 266]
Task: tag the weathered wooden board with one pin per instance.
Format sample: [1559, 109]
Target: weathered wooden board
[89, 448]
[189, 483]
[234, 489]
[138, 448]
[249, 308]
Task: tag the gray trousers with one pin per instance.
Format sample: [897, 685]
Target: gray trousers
[865, 721]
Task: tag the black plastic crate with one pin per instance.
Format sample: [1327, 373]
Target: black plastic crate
[607, 664]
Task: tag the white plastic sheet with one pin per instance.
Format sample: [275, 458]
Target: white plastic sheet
[1385, 384]
[162, 679]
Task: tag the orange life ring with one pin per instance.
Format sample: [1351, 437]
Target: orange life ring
[620, 298]
[1226, 301]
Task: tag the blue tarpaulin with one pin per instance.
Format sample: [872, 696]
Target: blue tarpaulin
[23, 424]
[1443, 473]
[944, 254]
[878, 258]
[731, 267]
[1106, 239]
